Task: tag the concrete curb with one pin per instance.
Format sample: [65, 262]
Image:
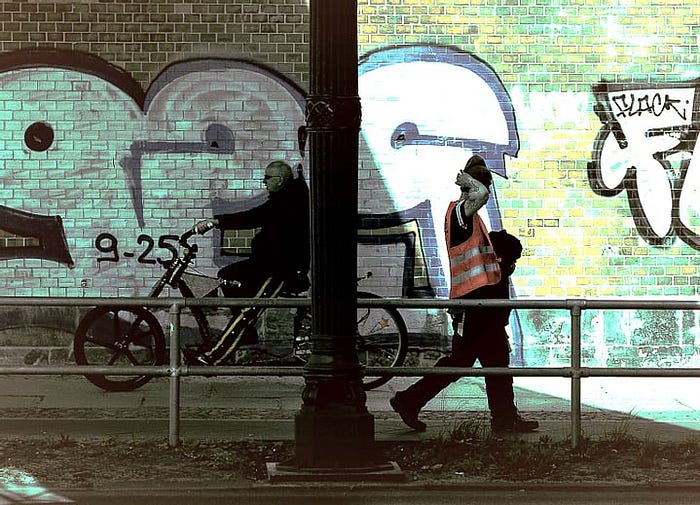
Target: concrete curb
[258, 487]
[386, 430]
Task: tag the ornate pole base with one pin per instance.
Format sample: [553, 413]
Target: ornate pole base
[334, 436]
[334, 444]
[333, 427]
[389, 472]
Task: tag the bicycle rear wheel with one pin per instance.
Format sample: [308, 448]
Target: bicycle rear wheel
[382, 339]
[119, 336]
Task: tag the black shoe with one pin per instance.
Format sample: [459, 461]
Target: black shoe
[514, 424]
[408, 416]
[194, 358]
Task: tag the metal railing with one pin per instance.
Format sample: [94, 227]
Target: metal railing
[175, 370]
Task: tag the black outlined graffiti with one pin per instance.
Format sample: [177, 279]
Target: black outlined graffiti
[656, 104]
[47, 230]
[404, 228]
[206, 122]
[218, 139]
[426, 110]
[646, 147]
[202, 124]
[108, 245]
[407, 134]
[73, 60]
[135, 167]
[39, 137]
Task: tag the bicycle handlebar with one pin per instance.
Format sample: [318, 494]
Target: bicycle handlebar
[183, 240]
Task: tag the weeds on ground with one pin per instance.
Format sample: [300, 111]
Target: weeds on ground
[620, 436]
[463, 431]
[464, 451]
[468, 449]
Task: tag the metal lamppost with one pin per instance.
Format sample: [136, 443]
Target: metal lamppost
[333, 428]
[334, 432]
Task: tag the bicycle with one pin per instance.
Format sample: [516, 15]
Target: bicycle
[133, 335]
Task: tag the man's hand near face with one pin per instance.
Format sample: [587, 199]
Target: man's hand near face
[474, 193]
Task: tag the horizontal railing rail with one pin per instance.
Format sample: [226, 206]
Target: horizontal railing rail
[175, 370]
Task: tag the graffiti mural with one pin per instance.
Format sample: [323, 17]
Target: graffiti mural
[46, 234]
[425, 111]
[644, 151]
[410, 229]
[99, 177]
[103, 177]
[646, 148]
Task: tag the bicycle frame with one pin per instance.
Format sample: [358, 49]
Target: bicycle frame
[172, 276]
[174, 270]
[107, 334]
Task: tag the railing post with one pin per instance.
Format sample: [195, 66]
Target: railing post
[174, 393]
[575, 374]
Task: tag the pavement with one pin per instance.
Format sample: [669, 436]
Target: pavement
[245, 408]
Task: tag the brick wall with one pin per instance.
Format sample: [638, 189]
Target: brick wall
[599, 149]
[550, 57]
[143, 36]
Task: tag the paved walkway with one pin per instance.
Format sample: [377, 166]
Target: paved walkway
[264, 407]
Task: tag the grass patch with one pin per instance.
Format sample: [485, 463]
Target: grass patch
[464, 431]
[466, 451]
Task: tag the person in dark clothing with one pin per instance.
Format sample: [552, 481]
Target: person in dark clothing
[281, 247]
[483, 336]
[280, 252]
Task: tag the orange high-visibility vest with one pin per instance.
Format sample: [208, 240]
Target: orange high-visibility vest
[473, 263]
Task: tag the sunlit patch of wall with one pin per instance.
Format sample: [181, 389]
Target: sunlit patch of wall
[579, 241]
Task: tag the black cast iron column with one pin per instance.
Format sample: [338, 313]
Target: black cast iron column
[333, 428]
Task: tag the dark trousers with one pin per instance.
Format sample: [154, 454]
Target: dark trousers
[248, 274]
[492, 350]
[253, 284]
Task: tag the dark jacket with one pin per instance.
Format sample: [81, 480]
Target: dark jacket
[482, 319]
[282, 246]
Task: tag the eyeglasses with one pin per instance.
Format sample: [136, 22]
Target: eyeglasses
[268, 177]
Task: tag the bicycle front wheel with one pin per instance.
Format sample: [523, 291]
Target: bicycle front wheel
[119, 336]
[382, 339]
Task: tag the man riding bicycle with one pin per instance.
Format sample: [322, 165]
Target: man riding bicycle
[280, 254]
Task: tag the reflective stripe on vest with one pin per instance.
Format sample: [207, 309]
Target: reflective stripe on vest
[473, 263]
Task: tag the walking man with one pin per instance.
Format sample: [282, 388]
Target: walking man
[481, 265]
